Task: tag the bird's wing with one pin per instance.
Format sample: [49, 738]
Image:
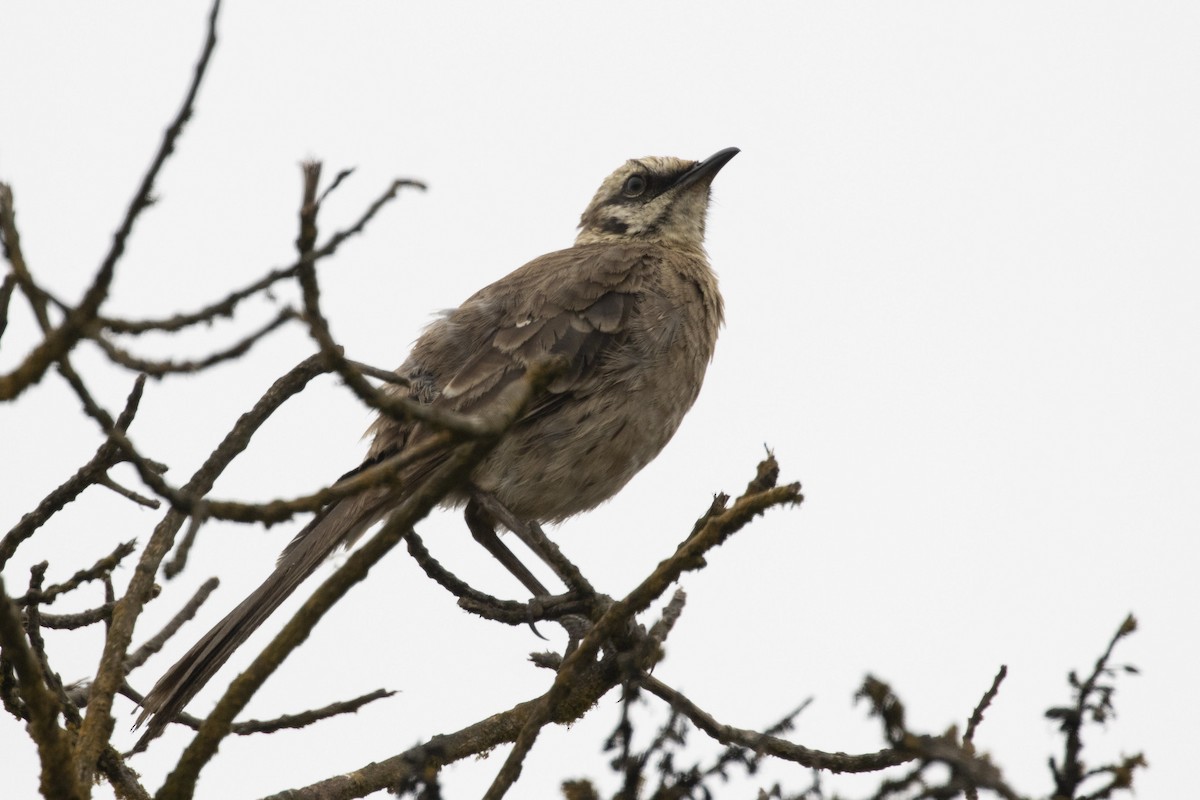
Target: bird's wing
[573, 303]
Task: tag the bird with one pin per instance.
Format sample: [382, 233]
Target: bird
[631, 310]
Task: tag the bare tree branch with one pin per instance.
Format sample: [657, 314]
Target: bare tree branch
[79, 619]
[95, 572]
[59, 341]
[689, 556]
[106, 456]
[159, 369]
[772, 745]
[111, 672]
[968, 740]
[6, 291]
[1092, 699]
[180, 783]
[155, 643]
[59, 777]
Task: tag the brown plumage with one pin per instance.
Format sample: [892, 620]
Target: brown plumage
[633, 306]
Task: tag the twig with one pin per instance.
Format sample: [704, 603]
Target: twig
[159, 369]
[966, 768]
[281, 510]
[6, 290]
[80, 619]
[226, 306]
[33, 630]
[59, 778]
[465, 425]
[129, 494]
[95, 572]
[1121, 776]
[471, 599]
[11, 238]
[111, 672]
[772, 745]
[106, 456]
[508, 612]
[184, 547]
[59, 341]
[283, 722]
[305, 718]
[222, 308]
[180, 783]
[1070, 775]
[155, 643]
[385, 375]
[688, 556]
[125, 782]
[661, 629]
[985, 701]
[337, 181]
[593, 683]
[968, 740]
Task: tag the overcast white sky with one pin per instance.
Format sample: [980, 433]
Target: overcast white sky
[960, 259]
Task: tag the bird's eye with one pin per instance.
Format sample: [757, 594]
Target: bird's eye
[635, 186]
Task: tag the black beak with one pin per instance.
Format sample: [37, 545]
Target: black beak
[706, 169]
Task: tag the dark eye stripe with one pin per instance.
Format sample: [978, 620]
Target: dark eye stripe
[655, 185]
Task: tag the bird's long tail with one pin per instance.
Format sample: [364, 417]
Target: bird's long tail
[338, 524]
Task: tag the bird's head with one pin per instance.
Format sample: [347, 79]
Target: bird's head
[656, 199]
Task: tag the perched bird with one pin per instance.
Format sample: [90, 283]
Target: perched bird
[634, 309]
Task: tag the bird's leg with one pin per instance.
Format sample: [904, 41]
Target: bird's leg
[482, 513]
[483, 527]
[531, 534]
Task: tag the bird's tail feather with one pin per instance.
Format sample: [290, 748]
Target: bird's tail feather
[338, 524]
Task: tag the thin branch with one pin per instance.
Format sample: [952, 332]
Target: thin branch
[80, 619]
[590, 680]
[10, 236]
[284, 722]
[398, 407]
[95, 572]
[129, 494]
[159, 369]
[33, 630]
[772, 745]
[1070, 775]
[125, 782]
[181, 782]
[385, 375]
[966, 768]
[111, 672]
[596, 680]
[226, 306]
[305, 718]
[276, 511]
[469, 598]
[155, 643]
[688, 556]
[508, 612]
[976, 719]
[661, 629]
[6, 290]
[59, 778]
[106, 456]
[1120, 776]
[59, 341]
[337, 181]
[222, 308]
